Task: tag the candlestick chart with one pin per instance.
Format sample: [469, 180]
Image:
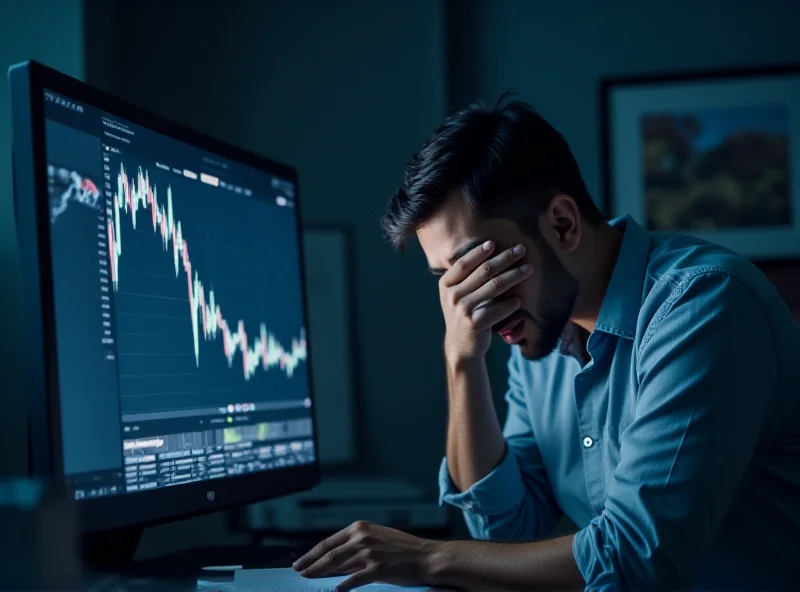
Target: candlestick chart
[197, 278]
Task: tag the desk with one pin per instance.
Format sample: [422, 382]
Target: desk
[181, 571]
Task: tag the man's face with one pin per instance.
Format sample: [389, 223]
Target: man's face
[548, 295]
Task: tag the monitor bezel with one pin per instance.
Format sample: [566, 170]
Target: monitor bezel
[27, 82]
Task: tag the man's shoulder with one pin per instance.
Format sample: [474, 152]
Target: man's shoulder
[678, 261]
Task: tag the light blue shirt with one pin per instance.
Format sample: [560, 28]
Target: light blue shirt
[676, 448]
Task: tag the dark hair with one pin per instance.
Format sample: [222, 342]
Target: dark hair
[493, 155]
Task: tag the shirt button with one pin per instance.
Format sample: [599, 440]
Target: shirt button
[588, 442]
[470, 506]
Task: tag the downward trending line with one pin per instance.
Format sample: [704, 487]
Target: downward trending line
[205, 313]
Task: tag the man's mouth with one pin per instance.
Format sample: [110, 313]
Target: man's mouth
[511, 332]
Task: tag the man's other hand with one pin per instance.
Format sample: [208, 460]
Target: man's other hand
[370, 553]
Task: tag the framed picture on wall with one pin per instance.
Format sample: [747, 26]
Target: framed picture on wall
[711, 154]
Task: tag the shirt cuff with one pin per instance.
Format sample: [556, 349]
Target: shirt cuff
[499, 492]
[592, 554]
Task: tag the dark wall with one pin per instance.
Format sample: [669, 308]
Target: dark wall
[346, 91]
[555, 53]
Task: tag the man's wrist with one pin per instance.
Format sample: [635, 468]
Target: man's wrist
[459, 363]
[439, 563]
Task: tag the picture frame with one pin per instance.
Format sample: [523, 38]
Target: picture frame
[330, 294]
[713, 154]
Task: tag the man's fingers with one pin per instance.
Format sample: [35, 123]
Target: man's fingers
[326, 546]
[336, 561]
[497, 285]
[368, 575]
[465, 265]
[489, 269]
[488, 316]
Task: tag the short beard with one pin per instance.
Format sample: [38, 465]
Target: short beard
[559, 293]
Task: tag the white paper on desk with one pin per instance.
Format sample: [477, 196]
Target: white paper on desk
[288, 580]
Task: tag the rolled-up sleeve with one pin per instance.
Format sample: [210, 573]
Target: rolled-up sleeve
[708, 377]
[515, 501]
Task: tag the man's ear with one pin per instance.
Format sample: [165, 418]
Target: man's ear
[564, 221]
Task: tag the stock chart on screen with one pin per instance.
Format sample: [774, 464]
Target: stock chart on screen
[198, 295]
[178, 288]
[206, 315]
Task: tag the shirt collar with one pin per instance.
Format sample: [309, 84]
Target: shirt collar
[619, 311]
[573, 342]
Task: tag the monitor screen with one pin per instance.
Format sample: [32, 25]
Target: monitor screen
[178, 303]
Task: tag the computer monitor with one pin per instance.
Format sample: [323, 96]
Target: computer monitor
[167, 347]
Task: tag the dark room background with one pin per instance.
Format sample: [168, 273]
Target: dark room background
[347, 91]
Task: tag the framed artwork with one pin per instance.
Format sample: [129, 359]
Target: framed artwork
[711, 154]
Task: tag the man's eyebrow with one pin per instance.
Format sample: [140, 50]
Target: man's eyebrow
[458, 254]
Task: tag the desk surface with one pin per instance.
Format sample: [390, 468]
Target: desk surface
[182, 571]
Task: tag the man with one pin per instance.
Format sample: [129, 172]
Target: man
[654, 390]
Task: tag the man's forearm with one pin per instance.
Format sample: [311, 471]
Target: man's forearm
[475, 443]
[483, 566]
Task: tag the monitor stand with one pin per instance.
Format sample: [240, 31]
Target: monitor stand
[114, 552]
